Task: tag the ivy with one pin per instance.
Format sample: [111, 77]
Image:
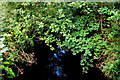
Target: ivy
[84, 28]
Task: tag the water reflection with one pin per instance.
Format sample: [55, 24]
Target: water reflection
[55, 67]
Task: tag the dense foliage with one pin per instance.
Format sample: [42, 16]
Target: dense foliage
[90, 29]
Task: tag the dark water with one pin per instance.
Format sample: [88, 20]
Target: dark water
[57, 65]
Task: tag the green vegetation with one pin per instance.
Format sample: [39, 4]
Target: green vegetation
[88, 28]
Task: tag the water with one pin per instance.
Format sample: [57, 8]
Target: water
[55, 65]
[64, 66]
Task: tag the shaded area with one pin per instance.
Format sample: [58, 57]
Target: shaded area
[57, 65]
